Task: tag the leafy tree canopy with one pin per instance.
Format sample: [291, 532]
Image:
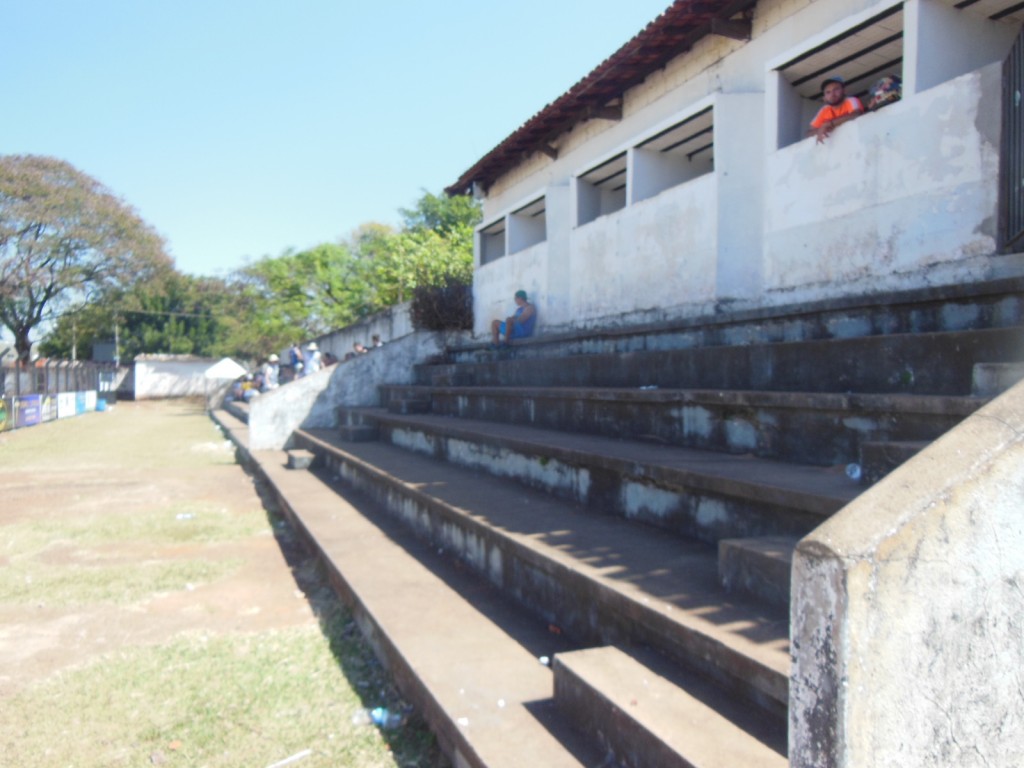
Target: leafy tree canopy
[174, 313]
[442, 214]
[64, 238]
[300, 295]
[296, 296]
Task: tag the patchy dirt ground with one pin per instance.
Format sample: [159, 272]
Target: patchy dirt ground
[87, 479]
[128, 539]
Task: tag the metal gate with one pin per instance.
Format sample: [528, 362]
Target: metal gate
[1012, 186]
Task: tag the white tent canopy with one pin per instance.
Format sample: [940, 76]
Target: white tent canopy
[225, 369]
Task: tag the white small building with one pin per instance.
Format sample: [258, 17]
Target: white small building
[675, 179]
[163, 376]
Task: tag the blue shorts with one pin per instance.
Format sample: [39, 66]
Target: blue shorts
[517, 330]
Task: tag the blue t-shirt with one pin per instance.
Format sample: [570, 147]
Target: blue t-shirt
[524, 328]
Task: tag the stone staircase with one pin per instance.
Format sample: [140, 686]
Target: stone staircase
[623, 505]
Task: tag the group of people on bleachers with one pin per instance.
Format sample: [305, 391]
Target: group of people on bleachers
[302, 361]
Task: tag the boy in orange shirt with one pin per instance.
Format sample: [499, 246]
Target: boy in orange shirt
[839, 108]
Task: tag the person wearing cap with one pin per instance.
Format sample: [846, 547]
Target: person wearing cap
[311, 359]
[271, 373]
[519, 325]
[839, 108]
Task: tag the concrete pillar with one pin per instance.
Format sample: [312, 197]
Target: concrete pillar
[739, 169]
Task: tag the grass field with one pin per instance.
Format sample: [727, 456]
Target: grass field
[154, 612]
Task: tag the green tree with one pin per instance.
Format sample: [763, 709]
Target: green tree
[434, 248]
[442, 214]
[299, 295]
[64, 239]
[173, 313]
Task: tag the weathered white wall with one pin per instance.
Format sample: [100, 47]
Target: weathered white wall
[172, 378]
[908, 611]
[495, 284]
[390, 324]
[896, 199]
[657, 254]
[312, 401]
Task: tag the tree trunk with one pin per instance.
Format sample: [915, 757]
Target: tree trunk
[23, 344]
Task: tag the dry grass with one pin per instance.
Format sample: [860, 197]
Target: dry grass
[148, 617]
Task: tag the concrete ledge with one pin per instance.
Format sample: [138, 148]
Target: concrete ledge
[299, 459]
[759, 568]
[907, 599]
[992, 379]
[819, 428]
[697, 493]
[648, 721]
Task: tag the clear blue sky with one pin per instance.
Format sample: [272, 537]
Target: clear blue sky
[240, 129]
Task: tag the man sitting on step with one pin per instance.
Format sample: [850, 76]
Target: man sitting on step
[517, 326]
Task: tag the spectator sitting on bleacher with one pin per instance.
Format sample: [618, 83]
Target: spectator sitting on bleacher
[519, 325]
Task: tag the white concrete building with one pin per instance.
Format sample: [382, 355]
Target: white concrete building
[675, 179]
[163, 376]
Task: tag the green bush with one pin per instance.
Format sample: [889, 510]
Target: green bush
[447, 306]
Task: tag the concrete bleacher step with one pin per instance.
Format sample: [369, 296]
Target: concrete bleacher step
[757, 567]
[995, 303]
[300, 459]
[645, 718]
[991, 379]
[880, 457]
[819, 428]
[406, 404]
[358, 433]
[703, 494]
[881, 363]
[598, 578]
[464, 657]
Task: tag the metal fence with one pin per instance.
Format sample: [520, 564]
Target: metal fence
[31, 393]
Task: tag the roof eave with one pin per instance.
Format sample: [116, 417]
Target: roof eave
[672, 34]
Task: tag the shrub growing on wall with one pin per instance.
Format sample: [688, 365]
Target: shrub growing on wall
[444, 306]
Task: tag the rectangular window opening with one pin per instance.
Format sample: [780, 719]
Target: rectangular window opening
[601, 190]
[527, 226]
[862, 56]
[677, 154]
[492, 241]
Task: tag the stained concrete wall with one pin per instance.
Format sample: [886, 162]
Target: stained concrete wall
[899, 199]
[312, 401]
[390, 324]
[159, 378]
[672, 244]
[908, 611]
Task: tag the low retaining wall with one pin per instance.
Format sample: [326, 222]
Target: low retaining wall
[908, 610]
[313, 401]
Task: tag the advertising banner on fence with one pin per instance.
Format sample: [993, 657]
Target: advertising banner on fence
[26, 410]
[65, 405]
[79, 402]
[90, 400]
[47, 407]
[6, 414]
